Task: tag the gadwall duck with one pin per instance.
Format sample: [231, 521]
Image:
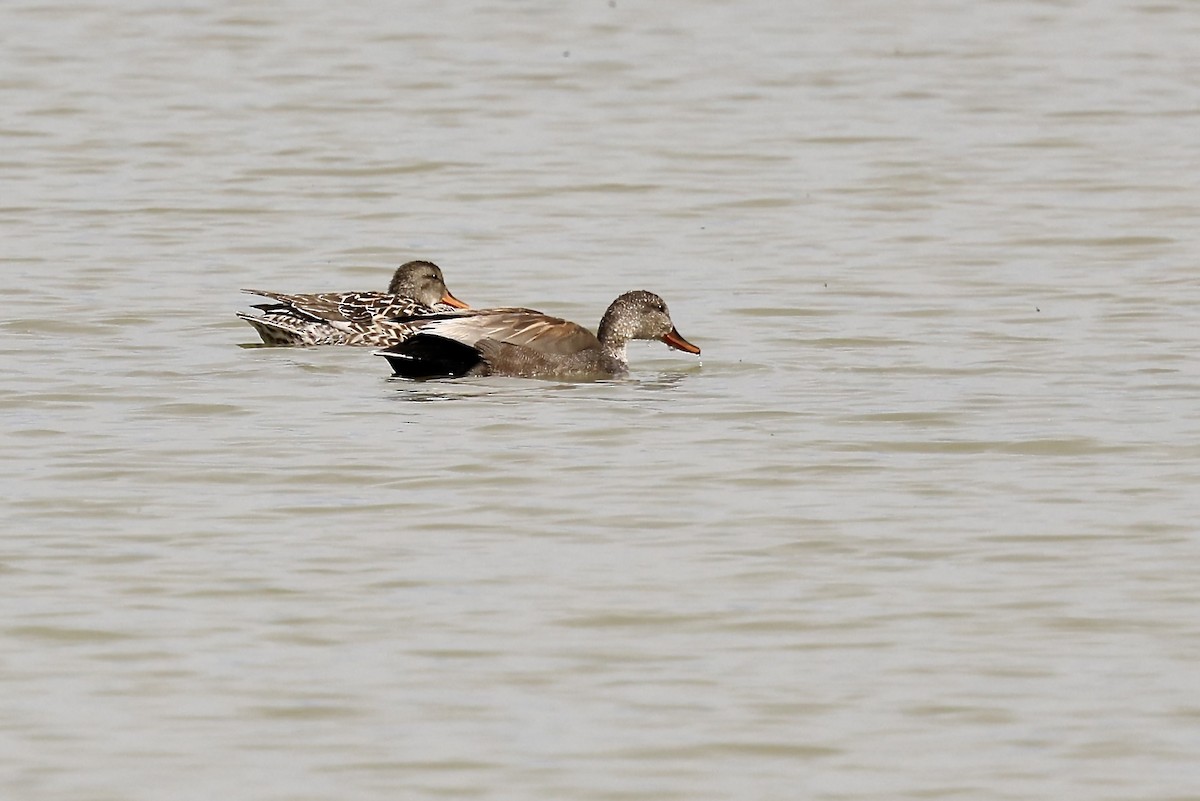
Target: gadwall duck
[353, 318]
[529, 344]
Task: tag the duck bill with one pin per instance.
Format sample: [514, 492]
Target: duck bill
[674, 340]
[450, 300]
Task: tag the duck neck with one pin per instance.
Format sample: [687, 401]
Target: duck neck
[616, 351]
[613, 340]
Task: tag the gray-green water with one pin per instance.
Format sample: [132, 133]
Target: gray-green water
[922, 525]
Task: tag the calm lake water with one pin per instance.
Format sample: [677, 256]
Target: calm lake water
[924, 521]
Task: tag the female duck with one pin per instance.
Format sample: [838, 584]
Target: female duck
[353, 318]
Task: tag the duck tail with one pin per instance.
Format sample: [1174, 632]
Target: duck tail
[429, 356]
[277, 330]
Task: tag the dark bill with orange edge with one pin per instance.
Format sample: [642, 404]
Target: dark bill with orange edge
[450, 300]
[676, 341]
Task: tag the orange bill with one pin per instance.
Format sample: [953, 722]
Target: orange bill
[450, 300]
[676, 341]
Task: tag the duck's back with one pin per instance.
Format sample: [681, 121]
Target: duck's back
[522, 327]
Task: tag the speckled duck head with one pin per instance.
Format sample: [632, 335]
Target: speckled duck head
[640, 315]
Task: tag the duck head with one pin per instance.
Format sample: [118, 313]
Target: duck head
[641, 315]
[423, 282]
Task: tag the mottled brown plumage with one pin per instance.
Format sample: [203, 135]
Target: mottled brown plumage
[353, 318]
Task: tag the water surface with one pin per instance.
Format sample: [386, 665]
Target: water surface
[921, 524]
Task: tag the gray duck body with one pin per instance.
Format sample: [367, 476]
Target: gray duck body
[533, 345]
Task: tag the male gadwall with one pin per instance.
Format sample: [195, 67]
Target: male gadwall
[529, 344]
[353, 318]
